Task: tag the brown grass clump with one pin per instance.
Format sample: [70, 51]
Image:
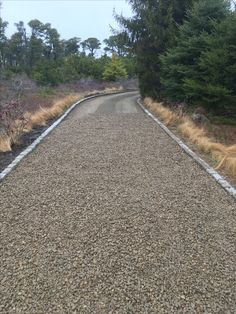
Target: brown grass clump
[41, 116]
[229, 160]
[223, 155]
[113, 89]
[5, 144]
[164, 113]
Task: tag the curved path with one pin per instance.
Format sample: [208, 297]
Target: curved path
[109, 215]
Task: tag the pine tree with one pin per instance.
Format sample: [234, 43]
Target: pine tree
[114, 69]
[3, 43]
[217, 64]
[153, 30]
[91, 44]
[181, 72]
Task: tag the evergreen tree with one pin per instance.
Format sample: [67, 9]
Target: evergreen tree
[35, 42]
[216, 87]
[53, 48]
[118, 44]
[153, 30]
[114, 69]
[3, 43]
[182, 73]
[18, 47]
[71, 46]
[92, 45]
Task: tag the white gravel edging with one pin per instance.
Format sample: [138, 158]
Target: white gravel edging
[214, 174]
[32, 146]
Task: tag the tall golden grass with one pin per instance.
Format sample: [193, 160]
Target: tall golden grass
[40, 117]
[224, 156]
[5, 143]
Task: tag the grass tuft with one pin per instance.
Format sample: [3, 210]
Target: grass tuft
[223, 155]
[166, 115]
[41, 116]
[5, 144]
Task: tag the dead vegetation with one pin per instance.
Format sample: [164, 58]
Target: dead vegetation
[224, 156]
[41, 116]
[5, 143]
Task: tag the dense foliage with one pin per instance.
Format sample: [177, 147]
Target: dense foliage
[152, 30]
[114, 69]
[201, 68]
[186, 51]
[43, 56]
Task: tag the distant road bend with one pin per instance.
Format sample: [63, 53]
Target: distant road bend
[109, 215]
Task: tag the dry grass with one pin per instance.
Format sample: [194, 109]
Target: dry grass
[223, 155]
[5, 143]
[223, 133]
[164, 113]
[41, 116]
[113, 89]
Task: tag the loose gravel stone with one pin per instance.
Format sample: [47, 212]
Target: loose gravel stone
[109, 215]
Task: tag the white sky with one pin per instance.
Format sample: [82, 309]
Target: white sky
[71, 18]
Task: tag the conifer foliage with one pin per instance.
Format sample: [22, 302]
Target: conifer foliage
[153, 30]
[201, 67]
[114, 69]
[186, 51]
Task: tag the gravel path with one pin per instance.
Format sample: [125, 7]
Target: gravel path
[108, 215]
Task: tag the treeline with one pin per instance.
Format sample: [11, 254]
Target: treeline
[186, 51]
[48, 59]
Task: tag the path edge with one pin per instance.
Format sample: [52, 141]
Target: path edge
[212, 172]
[35, 143]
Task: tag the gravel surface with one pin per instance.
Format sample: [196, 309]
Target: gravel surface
[108, 215]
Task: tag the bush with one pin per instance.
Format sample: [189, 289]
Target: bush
[47, 72]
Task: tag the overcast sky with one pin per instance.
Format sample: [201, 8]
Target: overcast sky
[72, 18]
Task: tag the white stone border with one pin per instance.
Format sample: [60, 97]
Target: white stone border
[32, 146]
[214, 174]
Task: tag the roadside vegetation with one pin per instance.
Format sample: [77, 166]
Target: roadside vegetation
[200, 134]
[186, 59]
